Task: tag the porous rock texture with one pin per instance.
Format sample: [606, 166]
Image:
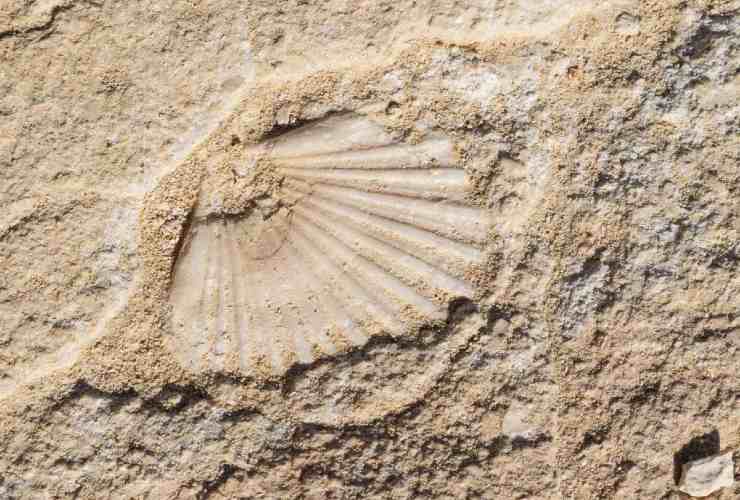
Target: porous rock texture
[598, 356]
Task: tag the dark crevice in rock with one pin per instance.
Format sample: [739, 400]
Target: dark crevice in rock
[49, 24]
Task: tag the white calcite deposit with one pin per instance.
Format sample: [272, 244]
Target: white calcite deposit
[703, 477]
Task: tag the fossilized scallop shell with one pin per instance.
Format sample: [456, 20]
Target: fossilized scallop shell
[374, 237]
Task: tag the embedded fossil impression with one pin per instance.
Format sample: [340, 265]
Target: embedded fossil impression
[374, 237]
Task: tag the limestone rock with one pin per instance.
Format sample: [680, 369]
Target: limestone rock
[703, 477]
[517, 424]
[382, 249]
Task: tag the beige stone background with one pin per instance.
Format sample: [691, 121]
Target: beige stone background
[603, 138]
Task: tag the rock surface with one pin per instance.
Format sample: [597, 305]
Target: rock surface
[600, 143]
[703, 477]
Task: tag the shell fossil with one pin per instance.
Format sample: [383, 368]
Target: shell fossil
[374, 237]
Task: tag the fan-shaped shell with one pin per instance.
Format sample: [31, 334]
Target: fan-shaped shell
[374, 238]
